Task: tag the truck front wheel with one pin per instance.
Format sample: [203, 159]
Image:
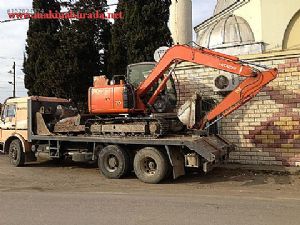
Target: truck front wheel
[16, 154]
[113, 162]
[150, 165]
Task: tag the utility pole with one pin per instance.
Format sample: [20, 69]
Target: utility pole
[14, 67]
[14, 82]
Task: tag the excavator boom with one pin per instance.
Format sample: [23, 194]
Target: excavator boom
[254, 80]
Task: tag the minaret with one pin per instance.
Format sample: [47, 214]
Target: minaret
[181, 21]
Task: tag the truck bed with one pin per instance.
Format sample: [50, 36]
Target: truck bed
[211, 148]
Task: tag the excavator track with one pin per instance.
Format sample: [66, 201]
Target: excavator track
[128, 126]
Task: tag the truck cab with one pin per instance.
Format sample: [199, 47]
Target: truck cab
[13, 129]
[17, 124]
[13, 115]
[13, 119]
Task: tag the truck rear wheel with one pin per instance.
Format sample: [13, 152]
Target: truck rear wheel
[113, 162]
[150, 165]
[16, 154]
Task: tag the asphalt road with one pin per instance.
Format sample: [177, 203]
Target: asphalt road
[42, 194]
[123, 208]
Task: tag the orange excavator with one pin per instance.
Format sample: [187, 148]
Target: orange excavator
[121, 108]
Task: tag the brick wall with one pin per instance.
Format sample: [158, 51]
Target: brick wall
[266, 129]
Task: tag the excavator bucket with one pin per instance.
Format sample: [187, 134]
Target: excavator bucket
[189, 113]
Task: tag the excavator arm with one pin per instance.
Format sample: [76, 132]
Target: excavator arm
[246, 90]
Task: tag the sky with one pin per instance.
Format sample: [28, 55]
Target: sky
[13, 40]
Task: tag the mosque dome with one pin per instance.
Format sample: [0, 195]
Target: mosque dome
[229, 31]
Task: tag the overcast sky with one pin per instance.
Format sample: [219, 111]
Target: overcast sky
[13, 36]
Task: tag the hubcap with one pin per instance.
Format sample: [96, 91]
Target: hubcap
[14, 153]
[149, 166]
[112, 163]
[152, 165]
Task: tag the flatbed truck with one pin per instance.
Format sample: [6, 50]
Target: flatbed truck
[23, 138]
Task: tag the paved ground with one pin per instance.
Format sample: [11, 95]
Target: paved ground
[76, 194]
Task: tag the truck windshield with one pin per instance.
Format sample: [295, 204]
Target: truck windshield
[9, 111]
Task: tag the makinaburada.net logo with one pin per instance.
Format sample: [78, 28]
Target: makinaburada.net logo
[65, 15]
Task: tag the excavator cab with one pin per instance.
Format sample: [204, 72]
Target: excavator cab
[166, 102]
[138, 72]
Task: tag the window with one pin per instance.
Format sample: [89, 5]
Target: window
[9, 111]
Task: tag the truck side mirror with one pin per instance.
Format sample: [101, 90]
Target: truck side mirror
[2, 113]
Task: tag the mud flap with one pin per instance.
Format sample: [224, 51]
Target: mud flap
[214, 149]
[2, 148]
[30, 157]
[176, 160]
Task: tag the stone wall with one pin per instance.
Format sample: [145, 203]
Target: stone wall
[266, 129]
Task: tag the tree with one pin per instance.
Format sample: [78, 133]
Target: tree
[117, 58]
[70, 55]
[136, 37]
[84, 46]
[42, 42]
[96, 31]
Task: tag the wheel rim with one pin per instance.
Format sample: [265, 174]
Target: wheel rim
[14, 153]
[149, 166]
[111, 163]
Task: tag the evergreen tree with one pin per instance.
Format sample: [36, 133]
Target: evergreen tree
[117, 58]
[96, 31]
[84, 46]
[75, 52]
[42, 42]
[136, 37]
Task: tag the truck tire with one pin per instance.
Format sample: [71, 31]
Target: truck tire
[150, 165]
[16, 154]
[113, 162]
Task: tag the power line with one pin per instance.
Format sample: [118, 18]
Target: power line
[20, 81]
[4, 81]
[12, 20]
[5, 57]
[7, 85]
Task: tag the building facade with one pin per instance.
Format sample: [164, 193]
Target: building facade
[271, 23]
[267, 129]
